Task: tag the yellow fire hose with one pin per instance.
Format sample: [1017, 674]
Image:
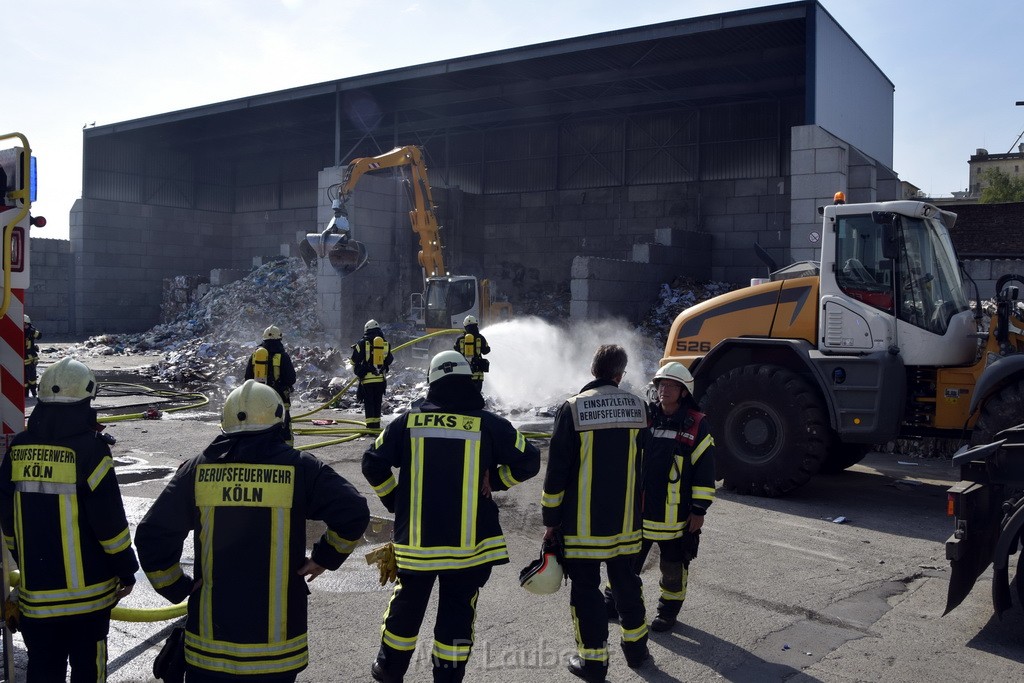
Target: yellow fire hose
[137, 614]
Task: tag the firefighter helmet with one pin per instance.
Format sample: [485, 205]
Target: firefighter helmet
[252, 407]
[676, 372]
[28, 320]
[470, 320]
[544, 575]
[371, 324]
[448, 364]
[67, 381]
[272, 332]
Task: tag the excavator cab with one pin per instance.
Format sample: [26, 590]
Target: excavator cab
[448, 300]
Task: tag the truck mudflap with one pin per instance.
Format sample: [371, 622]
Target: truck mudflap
[969, 549]
[1009, 543]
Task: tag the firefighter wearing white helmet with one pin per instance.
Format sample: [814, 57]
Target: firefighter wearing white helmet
[450, 454]
[75, 566]
[271, 365]
[474, 347]
[248, 497]
[679, 485]
[32, 335]
[371, 361]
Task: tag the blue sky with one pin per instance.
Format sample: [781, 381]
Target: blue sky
[955, 65]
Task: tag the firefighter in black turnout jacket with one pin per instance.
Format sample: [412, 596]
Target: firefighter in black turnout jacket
[591, 501]
[451, 454]
[32, 335]
[64, 523]
[247, 498]
[474, 347]
[679, 485]
[371, 360]
[270, 364]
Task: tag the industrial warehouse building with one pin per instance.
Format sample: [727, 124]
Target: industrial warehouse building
[601, 165]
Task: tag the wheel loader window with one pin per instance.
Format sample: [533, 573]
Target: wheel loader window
[863, 272]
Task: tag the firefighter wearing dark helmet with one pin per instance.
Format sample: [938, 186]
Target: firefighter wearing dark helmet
[371, 360]
[64, 523]
[450, 454]
[474, 347]
[270, 364]
[591, 502]
[679, 485]
[247, 498]
[32, 335]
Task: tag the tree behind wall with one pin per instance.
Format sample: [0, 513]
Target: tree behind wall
[1002, 187]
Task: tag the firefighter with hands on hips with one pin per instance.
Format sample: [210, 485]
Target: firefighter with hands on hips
[32, 335]
[270, 364]
[679, 485]
[371, 360]
[450, 454]
[64, 522]
[474, 347]
[247, 497]
[592, 504]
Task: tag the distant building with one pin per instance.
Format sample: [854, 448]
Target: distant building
[1011, 163]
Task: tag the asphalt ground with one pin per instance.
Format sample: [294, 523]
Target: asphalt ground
[779, 591]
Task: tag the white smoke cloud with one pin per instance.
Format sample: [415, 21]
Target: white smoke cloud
[537, 364]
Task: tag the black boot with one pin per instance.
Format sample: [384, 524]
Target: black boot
[663, 622]
[592, 672]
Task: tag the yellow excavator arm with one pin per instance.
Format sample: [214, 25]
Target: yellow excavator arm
[421, 216]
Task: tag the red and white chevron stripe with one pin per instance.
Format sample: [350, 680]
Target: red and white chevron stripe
[12, 367]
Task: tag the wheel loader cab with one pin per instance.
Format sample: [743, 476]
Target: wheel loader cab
[890, 279]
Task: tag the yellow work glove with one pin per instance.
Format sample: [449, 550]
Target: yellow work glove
[384, 558]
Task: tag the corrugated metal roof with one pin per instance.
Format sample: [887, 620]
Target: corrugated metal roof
[705, 59]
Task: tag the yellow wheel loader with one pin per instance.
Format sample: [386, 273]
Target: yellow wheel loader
[876, 340]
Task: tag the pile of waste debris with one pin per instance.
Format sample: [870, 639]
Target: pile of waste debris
[676, 297]
[207, 344]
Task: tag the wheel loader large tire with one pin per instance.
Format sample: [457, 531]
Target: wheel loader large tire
[771, 431]
[842, 456]
[1003, 409]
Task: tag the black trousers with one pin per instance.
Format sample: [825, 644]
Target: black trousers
[590, 618]
[453, 630]
[675, 570]
[373, 398]
[53, 642]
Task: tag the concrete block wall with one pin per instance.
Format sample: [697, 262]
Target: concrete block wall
[379, 216]
[822, 164]
[531, 238]
[262, 234]
[986, 272]
[48, 299]
[739, 213]
[617, 288]
[121, 252]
